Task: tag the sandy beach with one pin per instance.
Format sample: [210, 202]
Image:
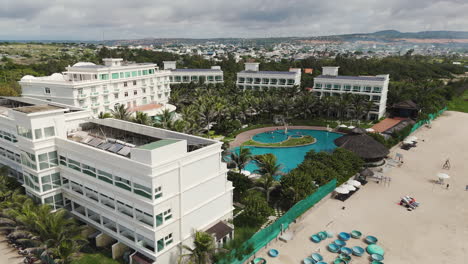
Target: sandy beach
[8, 254]
[436, 232]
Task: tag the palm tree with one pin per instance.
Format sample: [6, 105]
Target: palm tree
[203, 249]
[103, 115]
[165, 119]
[268, 169]
[121, 112]
[242, 158]
[142, 118]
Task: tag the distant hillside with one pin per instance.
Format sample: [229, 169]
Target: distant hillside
[394, 34]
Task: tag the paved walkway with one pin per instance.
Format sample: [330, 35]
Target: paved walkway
[247, 135]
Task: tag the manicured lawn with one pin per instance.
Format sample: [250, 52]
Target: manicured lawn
[459, 103]
[291, 142]
[95, 258]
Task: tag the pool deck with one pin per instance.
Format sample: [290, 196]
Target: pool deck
[436, 232]
[247, 135]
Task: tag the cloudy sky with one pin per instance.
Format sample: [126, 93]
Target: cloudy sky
[129, 19]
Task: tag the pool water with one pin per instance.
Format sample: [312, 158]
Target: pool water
[291, 157]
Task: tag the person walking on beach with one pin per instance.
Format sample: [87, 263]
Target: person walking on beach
[446, 165]
[447, 186]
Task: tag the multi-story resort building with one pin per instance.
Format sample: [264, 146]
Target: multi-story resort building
[213, 75]
[375, 88]
[253, 79]
[101, 87]
[145, 189]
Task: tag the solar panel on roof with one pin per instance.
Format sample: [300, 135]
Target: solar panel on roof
[87, 139]
[105, 145]
[124, 151]
[115, 148]
[95, 142]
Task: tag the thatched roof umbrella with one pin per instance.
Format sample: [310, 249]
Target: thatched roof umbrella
[358, 142]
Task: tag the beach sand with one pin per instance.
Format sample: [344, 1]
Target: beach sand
[8, 254]
[436, 232]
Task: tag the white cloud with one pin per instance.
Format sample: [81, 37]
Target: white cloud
[117, 19]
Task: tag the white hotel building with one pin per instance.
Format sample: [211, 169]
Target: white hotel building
[213, 75]
[143, 188]
[100, 87]
[375, 88]
[254, 80]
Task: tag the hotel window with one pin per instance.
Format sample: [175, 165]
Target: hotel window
[151, 71]
[127, 74]
[167, 215]
[121, 75]
[122, 183]
[103, 76]
[135, 92]
[318, 85]
[125, 84]
[86, 169]
[145, 72]
[164, 242]
[115, 75]
[134, 82]
[367, 89]
[24, 132]
[134, 73]
[142, 190]
[126, 94]
[47, 90]
[356, 88]
[347, 88]
[28, 160]
[377, 90]
[49, 131]
[158, 192]
[47, 160]
[50, 182]
[336, 87]
[328, 86]
[37, 133]
[116, 96]
[74, 165]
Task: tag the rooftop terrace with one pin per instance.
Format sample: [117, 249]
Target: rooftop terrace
[359, 78]
[269, 72]
[119, 137]
[30, 105]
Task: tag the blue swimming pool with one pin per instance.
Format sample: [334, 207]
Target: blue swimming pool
[291, 157]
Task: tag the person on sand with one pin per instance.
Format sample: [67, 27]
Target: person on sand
[446, 165]
[447, 186]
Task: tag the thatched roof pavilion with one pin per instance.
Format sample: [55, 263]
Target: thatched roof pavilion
[358, 142]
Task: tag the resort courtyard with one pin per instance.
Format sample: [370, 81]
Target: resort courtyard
[436, 232]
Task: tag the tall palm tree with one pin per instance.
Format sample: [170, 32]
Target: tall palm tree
[142, 118]
[103, 115]
[241, 158]
[202, 252]
[121, 112]
[268, 168]
[165, 119]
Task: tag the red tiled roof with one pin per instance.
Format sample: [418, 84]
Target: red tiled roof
[145, 107]
[386, 124]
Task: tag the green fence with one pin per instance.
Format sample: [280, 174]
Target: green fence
[427, 121]
[264, 236]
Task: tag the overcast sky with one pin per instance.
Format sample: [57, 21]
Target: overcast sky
[130, 19]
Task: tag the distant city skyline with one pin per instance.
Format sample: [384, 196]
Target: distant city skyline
[117, 19]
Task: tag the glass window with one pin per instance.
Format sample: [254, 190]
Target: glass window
[122, 183]
[105, 176]
[142, 190]
[159, 219]
[28, 160]
[158, 192]
[47, 90]
[38, 133]
[49, 131]
[74, 165]
[86, 169]
[24, 132]
[127, 74]
[115, 75]
[160, 244]
[145, 72]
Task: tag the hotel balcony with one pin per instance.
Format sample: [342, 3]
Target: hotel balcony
[94, 94]
[95, 105]
[106, 102]
[116, 90]
[82, 95]
[105, 92]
